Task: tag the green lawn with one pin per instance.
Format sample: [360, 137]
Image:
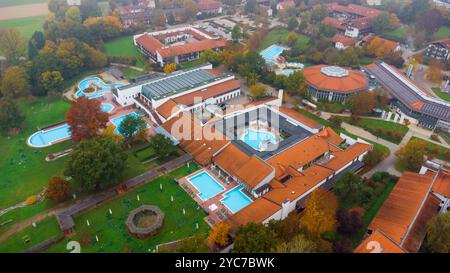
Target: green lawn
[389, 129]
[435, 150]
[44, 230]
[278, 35]
[399, 33]
[442, 33]
[124, 46]
[111, 230]
[10, 3]
[332, 107]
[442, 95]
[131, 73]
[26, 26]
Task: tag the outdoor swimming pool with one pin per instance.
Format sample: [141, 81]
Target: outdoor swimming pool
[272, 52]
[206, 185]
[256, 139]
[47, 137]
[235, 199]
[117, 121]
[102, 88]
[107, 107]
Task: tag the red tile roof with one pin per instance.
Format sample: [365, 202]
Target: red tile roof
[442, 184]
[206, 5]
[149, 43]
[355, 81]
[378, 242]
[168, 108]
[346, 41]
[258, 211]
[199, 46]
[210, 92]
[298, 117]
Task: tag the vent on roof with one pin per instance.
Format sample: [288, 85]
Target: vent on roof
[292, 192]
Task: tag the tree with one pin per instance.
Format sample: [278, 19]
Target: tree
[336, 121]
[211, 56]
[320, 212]
[15, 82]
[385, 22]
[194, 244]
[412, 155]
[163, 145]
[362, 103]
[129, 126]
[318, 13]
[295, 84]
[291, 39]
[299, 244]
[349, 221]
[12, 45]
[434, 72]
[236, 33]
[110, 131]
[250, 6]
[35, 44]
[438, 234]
[292, 23]
[85, 119]
[219, 235]
[254, 238]
[169, 68]
[351, 188]
[95, 162]
[52, 81]
[159, 18]
[10, 115]
[373, 157]
[73, 14]
[190, 9]
[57, 189]
[258, 91]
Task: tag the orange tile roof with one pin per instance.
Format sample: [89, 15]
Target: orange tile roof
[298, 185]
[168, 108]
[386, 245]
[172, 51]
[149, 42]
[299, 117]
[210, 92]
[202, 142]
[346, 41]
[304, 152]
[442, 184]
[402, 205]
[355, 81]
[237, 163]
[258, 211]
[342, 158]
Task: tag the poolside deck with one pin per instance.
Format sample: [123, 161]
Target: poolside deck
[221, 212]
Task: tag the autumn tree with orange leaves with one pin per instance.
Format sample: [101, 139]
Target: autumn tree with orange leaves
[219, 235]
[320, 212]
[85, 119]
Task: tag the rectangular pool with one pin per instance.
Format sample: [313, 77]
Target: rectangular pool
[206, 185]
[235, 199]
[272, 52]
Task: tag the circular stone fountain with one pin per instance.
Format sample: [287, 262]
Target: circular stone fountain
[145, 221]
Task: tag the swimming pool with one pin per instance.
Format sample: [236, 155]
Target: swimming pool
[272, 52]
[47, 137]
[107, 107]
[206, 185]
[235, 199]
[287, 72]
[117, 121]
[257, 139]
[102, 87]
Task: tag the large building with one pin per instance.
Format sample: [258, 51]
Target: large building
[352, 20]
[439, 49]
[269, 156]
[332, 83]
[177, 45]
[401, 223]
[189, 89]
[412, 101]
[141, 12]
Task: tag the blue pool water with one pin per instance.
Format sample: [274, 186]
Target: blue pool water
[235, 199]
[272, 52]
[117, 121]
[287, 72]
[206, 185]
[107, 107]
[102, 87]
[253, 138]
[46, 138]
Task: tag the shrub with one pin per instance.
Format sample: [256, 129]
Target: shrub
[32, 200]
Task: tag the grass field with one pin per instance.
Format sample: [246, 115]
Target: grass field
[44, 230]
[11, 3]
[278, 35]
[332, 107]
[111, 230]
[399, 33]
[442, 33]
[131, 73]
[442, 95]
[389, 129]
[26, 26]
[124, 47]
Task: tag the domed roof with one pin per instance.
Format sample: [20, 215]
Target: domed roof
[335, 79]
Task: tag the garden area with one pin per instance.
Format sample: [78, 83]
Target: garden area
[390, 131]
[278, 36]
[111, 229]
[331, 107]
[443, 95]
[124, 47]
[25, 26]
